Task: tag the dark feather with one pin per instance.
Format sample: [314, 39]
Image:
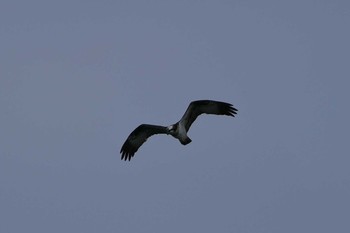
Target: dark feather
[199, 107]
[138, 137]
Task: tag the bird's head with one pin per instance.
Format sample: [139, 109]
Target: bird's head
[172, 129]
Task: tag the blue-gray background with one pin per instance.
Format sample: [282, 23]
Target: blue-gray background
[76, 77]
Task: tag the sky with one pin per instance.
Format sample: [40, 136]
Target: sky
[76, 77]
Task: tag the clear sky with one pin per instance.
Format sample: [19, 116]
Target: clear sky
[76, 77]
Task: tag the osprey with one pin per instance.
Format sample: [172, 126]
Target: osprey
[178, 130]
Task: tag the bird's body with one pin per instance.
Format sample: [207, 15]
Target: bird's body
[178, 130]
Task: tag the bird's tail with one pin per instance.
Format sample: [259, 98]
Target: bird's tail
[186, 141]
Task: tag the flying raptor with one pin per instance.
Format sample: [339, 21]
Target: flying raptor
[178, 130]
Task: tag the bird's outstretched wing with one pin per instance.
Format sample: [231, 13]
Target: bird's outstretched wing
[199, 107]
[138, 137]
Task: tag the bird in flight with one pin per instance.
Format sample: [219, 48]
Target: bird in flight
[178, 130]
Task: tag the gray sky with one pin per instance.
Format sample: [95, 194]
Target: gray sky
[77, 77]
